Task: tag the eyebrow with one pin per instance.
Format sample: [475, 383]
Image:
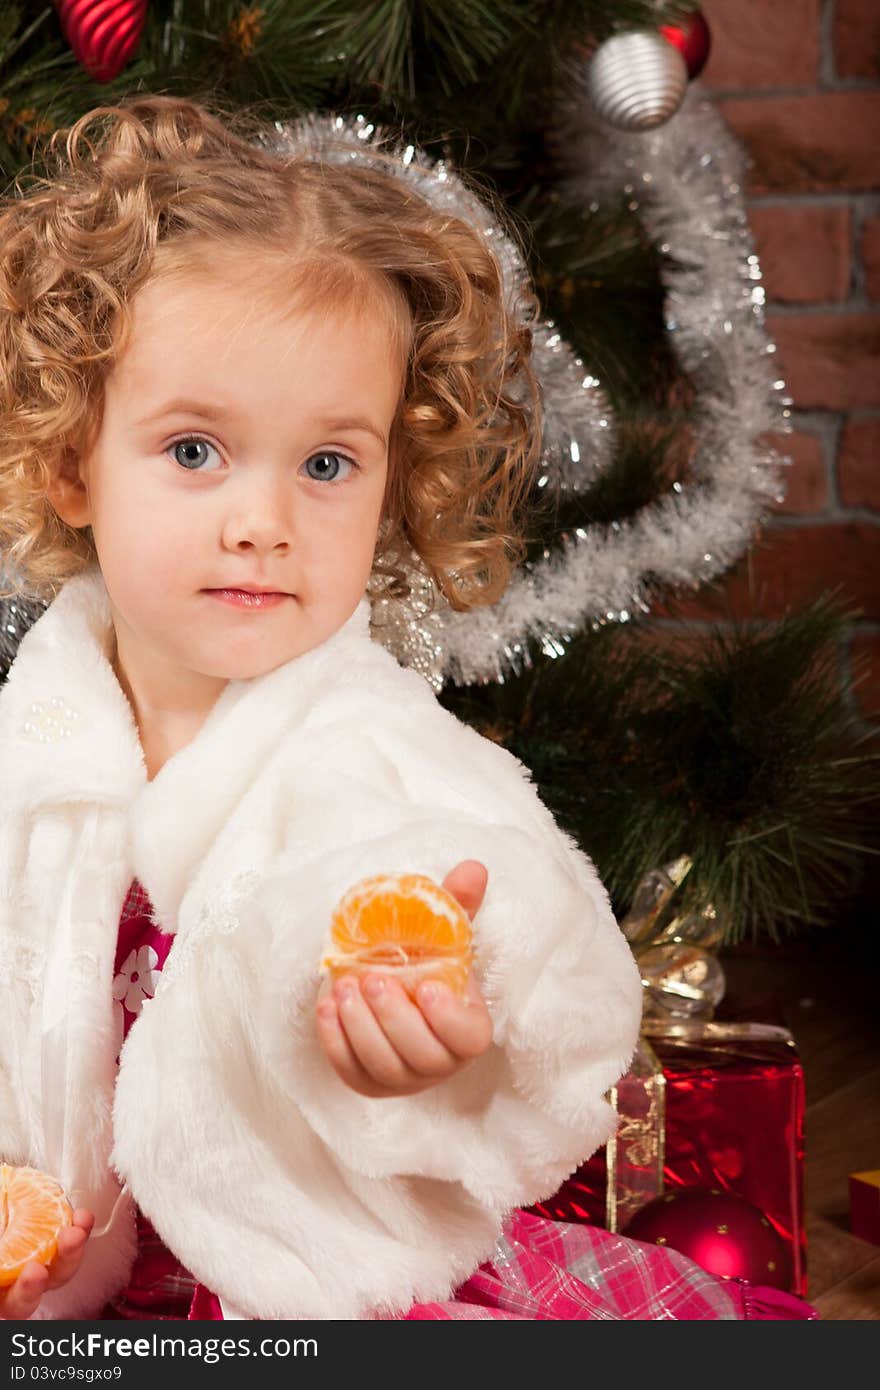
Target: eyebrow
[208, 411]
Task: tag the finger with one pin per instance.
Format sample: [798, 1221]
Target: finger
[339, 1051]
[467, 883]
[472, 990]
[379, 1059]
[23, 1297]
[464, 1026]
[407, 1029]
[71, 1246]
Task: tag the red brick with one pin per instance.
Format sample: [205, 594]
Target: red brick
[858, 465]
[856, 38]
[756, 44]
[824, 142]
[870, 249]
[829, 361]
[806, 483]
[865, 660]
[804, 252]
[790, 567]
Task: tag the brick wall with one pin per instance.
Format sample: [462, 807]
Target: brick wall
[799, 83]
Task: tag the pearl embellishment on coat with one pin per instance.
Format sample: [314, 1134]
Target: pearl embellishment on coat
[49, 720]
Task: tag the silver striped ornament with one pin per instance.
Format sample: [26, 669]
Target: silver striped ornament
[637, 80]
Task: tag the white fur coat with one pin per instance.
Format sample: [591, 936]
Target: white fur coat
[283, 1190]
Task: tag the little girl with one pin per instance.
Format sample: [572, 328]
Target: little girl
[239, 390]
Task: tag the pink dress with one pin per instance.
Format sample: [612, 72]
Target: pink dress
[540, 1269]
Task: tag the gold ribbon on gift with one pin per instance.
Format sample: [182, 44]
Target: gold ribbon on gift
[675, 946]
[635, 1153]
[704, 1030]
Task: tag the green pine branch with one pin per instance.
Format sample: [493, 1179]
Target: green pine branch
[738, 749]
[443, 69]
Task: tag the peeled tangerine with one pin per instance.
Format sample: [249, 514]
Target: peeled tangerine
[33, 1211]
[404, 925]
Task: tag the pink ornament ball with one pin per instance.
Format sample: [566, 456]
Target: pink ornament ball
[724, 1234]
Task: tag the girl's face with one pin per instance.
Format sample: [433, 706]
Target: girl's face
[242, 449]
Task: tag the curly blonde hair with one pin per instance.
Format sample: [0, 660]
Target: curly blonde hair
[136, 190]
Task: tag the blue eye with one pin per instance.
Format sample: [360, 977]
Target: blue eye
[327, 466]
[191, 454]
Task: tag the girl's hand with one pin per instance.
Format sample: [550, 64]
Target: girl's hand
[21, 1299]
[382, 1044]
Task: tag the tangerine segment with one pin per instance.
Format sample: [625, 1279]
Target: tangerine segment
[33, 1211]
[402, 924]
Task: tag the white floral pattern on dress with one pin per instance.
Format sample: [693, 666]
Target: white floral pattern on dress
[137, 979]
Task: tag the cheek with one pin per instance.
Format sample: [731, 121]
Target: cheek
[137, 538]
[345, 538]
[360, 543]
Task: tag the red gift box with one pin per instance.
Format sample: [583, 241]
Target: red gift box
[726, 1113]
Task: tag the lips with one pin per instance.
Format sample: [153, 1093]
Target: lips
[249, 598]
[245, 589]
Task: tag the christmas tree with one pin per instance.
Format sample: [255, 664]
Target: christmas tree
[733, 760]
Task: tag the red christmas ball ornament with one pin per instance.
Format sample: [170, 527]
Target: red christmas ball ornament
[725, 1234]
[104, 34]
[692, 39]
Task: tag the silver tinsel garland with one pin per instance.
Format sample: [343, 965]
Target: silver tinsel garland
[683, 181]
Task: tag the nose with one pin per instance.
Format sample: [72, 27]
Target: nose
[258, 519]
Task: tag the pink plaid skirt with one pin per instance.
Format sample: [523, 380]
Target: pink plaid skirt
[540, 1269]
